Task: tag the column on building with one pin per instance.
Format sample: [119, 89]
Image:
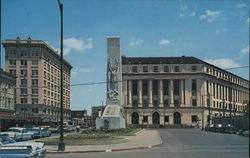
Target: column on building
[182, 92]
[125, 95]
[150, 93]
[160, 93]
[188, 92]
[129, 93]
[204, 93]
[199, 92]
[171, 92]
[140, 93]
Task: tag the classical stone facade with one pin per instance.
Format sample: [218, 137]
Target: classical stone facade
[37, 69]
[7, 103]
[179, 90]
[7, 87]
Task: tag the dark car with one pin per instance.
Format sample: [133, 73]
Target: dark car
[218, 128]
[210, 127]
[227, 128]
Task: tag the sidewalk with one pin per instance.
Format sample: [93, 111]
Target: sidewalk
[144, 139]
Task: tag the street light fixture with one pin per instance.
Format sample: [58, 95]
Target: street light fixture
[61, 145]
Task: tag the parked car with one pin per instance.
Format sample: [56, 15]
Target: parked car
[12, 149]
[39, 133]
[210, 127]
[245, 133]
[218, 128]
[228, 128]
[36, 133]
[18, 133]
[53, 129]
[72, 128]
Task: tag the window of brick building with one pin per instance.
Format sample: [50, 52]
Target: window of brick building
[23, 62]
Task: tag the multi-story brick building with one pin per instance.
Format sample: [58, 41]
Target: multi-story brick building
[179, 90]
[37, 69]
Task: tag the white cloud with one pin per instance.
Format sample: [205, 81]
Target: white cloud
[135, 41]
[217, 31]
[223, 63]
[76, 71]
[164, 42]
[87, 69]
[184, 12]
[241, 5]
[90, 90]
[210, 16]
[77, 44]
[244, 50]
[248, 20]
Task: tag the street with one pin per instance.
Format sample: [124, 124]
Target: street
[178, 143]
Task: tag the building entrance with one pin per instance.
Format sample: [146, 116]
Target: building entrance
[177, 118]
[156, 118]
[135, 118]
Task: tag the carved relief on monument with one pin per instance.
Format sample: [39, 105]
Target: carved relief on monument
[113, 79]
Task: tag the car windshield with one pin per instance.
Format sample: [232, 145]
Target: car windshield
[13, 130]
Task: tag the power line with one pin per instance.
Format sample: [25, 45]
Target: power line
[105, 82]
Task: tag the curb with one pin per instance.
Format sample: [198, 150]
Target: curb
[110, 150]
[107, 150]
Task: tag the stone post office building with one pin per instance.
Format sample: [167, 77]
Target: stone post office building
[179, 91]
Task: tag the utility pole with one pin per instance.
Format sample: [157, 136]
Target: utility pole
[202, 115]
[61, 145]
[0, 34]
[209, 109]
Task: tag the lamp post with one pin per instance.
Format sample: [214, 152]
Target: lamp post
[61, 145]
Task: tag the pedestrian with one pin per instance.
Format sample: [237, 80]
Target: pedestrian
[78, 128]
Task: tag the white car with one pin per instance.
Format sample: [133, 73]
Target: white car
[18, 133]
[11, 149]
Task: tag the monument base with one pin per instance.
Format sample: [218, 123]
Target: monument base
[110, 122]
[112, 118]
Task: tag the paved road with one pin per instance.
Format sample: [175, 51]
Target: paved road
[183, 143]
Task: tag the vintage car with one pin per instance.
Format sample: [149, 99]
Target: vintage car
[18, 133]
[12, 149]
[41, 132]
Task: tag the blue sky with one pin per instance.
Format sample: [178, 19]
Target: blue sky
[215, 31]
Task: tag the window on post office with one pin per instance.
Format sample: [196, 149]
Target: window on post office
[145, 68]
[194, 118]
[166, 69]
[193, 68]
[134, 69]
[176, 69]
[194, 102]
[166, 118]
[155, 69]
[145, 118]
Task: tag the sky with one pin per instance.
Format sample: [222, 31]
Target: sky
[216, 31]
